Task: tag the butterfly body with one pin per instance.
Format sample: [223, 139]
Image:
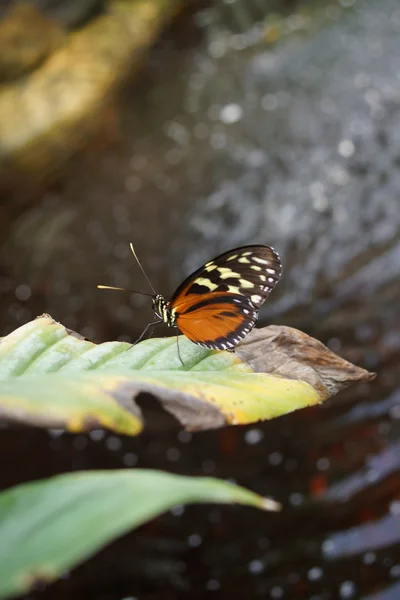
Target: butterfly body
[218, 305]
[163, 311]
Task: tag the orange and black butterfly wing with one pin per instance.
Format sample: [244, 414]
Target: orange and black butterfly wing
[220, 322]
[218, 304]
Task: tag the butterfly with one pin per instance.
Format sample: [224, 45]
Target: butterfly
[218, 305]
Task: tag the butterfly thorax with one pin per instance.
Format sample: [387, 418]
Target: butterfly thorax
[162, 310]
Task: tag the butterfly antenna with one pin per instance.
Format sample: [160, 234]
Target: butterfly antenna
[120, 289]
[141, 268]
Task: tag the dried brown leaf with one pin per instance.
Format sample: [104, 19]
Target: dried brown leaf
[290, 353]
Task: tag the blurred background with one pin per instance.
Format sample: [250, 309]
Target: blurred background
[189, 128]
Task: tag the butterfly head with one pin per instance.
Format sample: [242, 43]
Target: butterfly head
[163, 311]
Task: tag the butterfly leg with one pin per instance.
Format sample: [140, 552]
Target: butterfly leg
[145, 329]
[179, 354]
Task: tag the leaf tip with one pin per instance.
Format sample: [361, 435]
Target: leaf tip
[41, 576]
[269, 504]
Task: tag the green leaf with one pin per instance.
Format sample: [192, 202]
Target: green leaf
[49, 526]
[50, 376]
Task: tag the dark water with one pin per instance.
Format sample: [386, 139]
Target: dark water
[227, 140]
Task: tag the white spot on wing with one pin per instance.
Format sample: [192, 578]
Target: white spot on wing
[206, 282]
[246, 284]
[226, 273]
[262, 261]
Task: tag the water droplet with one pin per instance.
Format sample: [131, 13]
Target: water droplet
[194, 540]
[315, 573]
[217, 47]
[395, 571]
[296, 499]
[347, 589]
[173, 454]
[256, 566]
[177, 511]
[231, 113]
[323, 463]
[130, 459]
[253, 436]
[177, 132]
[346, 148]
[269, 102]
[334, 344]
[56, 432]
[328, 548]
[276, 592]
[369, 558]
[275, 458]
[218, 140]
[213, 585]
[23, 292]
[97, 434]
[113, 443]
